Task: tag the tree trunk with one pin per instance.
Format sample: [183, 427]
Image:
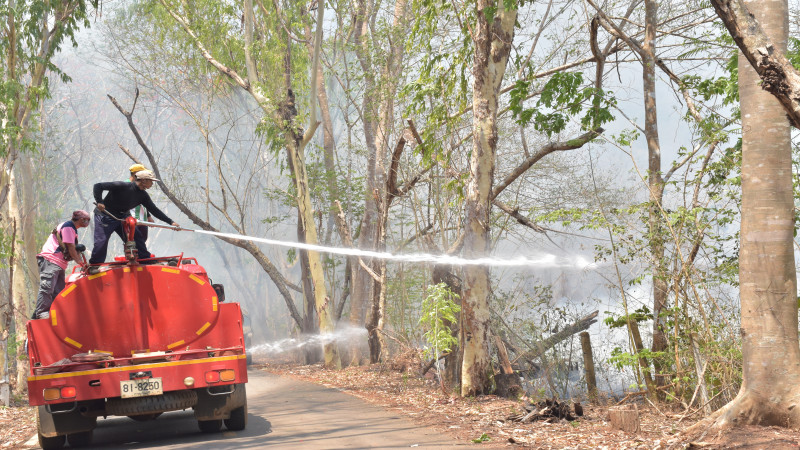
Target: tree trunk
[655, 184]
[310, 353]
[588, 365]
[19, 298]
[317, 275]
[492, 47]
[378, 113]
[767, 277]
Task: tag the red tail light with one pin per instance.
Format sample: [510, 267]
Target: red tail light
[212, 377]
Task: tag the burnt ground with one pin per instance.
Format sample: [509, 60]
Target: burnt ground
[484, 419]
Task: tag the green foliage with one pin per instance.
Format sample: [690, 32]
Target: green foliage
[5, 249]
[439, 93]
[16, 347]
[31, 20]
[640, 315]
[483, 438]
[726, 87]
[439, 309]
[560, 99]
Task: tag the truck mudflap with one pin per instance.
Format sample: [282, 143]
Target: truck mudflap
[54, 423]
[217, 402]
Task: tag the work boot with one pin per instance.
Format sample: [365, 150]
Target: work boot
[93, 270]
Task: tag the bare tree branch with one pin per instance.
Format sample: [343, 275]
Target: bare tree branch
[280, 281]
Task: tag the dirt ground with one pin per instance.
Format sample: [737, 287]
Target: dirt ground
[482, 421]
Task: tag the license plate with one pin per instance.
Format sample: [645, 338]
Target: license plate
[141, 388]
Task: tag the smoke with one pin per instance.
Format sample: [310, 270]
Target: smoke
[343, 335]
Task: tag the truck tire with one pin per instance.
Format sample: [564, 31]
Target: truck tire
[82, 439]
[210, 426]
[169, 401]
[52, 443]
[238, 419]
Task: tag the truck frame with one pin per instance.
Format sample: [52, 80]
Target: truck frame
[137, 338]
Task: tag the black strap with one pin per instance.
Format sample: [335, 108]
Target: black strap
[62, 247]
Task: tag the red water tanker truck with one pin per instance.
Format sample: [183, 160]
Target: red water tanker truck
[137, 338]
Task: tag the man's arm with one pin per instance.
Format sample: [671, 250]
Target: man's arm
[74, 253]
[152, 209]
[97, 191]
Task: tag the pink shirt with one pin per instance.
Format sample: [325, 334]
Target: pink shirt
[69, 236]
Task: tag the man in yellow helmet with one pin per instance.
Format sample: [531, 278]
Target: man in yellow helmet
[140, 213]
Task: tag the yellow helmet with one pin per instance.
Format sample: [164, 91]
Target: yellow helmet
[136, 168]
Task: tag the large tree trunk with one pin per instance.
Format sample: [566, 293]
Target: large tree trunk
[362, 285]
[324, 307]
[655, 184]
[368, 301]
[19, 296]
[492, 47]
[767, 277]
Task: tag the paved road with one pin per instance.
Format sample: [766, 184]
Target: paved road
[282, 414]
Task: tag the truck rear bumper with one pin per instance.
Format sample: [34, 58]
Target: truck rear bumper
[106, 382]
[214, 403]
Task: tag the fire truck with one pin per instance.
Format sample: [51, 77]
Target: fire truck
[137, 338]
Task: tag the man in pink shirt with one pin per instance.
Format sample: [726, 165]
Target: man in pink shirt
[57, 252]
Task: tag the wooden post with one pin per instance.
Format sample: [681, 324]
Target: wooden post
[502, 355]
[625, 418]
[588, 366]
[507, 382]
[699, 367]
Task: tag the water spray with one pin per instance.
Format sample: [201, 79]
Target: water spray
[546, 261]
[342, 336]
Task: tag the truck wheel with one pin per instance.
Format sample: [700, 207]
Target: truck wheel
[52, 443]
[210, 426]
[137, 406]
[82, 439]
[238, 419]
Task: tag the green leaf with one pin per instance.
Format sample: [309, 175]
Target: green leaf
[484, 438]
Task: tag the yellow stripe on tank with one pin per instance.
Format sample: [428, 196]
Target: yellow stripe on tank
[175, 344]
[203, 328]
[68, 290]
[73, 342]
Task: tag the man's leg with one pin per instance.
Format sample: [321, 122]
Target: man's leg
[144, 231]
[51, 282]
[141, 247]
[103, 227]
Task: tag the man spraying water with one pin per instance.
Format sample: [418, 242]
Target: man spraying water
[117, 204]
